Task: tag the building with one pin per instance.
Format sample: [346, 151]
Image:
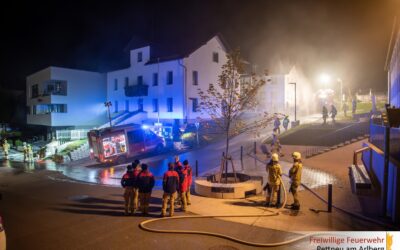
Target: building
[161, 85]
[382, 157]
[277, 95]
[66, 101]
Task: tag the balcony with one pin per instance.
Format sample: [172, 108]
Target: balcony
[136, 90]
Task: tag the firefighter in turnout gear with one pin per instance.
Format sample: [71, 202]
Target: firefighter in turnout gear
[274, 171]
[146, 183]
[25, 150]
[188, 168]
[183, 182]
[136, 170]
[170, 187]
[128, 182]
[6, 148]
[295, 179]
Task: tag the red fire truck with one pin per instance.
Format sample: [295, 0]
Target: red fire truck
[116, 144]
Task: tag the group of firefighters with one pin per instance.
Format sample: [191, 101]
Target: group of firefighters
[27, 150]
[274, 180]
[325, 113]
[138, 182]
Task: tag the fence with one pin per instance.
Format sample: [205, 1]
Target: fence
[71, 135]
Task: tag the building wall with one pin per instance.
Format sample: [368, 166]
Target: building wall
[86, 93]
[394, 73]
[201, 61]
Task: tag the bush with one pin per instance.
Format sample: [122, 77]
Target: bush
[18, 143]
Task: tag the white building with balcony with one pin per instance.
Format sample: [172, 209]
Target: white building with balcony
[66, 101]
[163, 85]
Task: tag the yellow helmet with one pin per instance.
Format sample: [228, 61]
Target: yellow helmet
[275, 157]
[296, 156]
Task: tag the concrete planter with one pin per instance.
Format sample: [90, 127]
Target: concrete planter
[246, 186]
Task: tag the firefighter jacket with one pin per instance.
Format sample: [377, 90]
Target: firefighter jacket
[171, 182]
[128, 179]
[295, 173]
[136, 173]
[146, 181]
[274, 173]
[188, 168]
[183, 178]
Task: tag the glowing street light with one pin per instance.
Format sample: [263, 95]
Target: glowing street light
[325, 78]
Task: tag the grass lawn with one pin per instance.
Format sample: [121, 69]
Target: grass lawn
[72, 146]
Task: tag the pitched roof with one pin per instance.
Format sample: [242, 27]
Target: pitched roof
[174, 48]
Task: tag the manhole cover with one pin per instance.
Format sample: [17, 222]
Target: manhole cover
[223, 247]
[78, 197]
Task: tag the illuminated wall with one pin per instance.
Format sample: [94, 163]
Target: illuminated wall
[394, 72]
[82, 98]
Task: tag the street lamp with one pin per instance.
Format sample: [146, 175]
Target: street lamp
[108, 104]
[341, 92]
[325, 78]
[295, 102]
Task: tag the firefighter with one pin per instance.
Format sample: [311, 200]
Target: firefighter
[333, 113]
[25, 151]
[277, 124]
[6, 148]
[286, 122]
[188, 168]
[145, 184]
[170, 187]
[183, 183]
[274, 171]
[295, 179]
[136, 170]
[30, 153]
[324, 114]
[128, 182]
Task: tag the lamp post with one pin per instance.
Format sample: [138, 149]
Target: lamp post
[108, 104]
[295, 102]
[197, 124]
[341, 92]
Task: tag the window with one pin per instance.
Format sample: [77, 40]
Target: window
[170, 105]
[115, 84]
[215, 57]
[127, 105]
[155, 105]
[155, 79]
[140, 80]
[140, 104]
[195, 77]
[115, 106]
[49, 108]
[194, 104]
[139, 56]
[34, 91]
[126, 82]
[169, 77]
[135, 136]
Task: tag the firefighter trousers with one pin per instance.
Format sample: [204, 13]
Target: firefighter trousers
[144, 202]
[168, 198]
[128, 196]
[183, 201]
[187, 193]
[272, 193]
[293, 190]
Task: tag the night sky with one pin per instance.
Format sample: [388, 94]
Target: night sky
[347, 39]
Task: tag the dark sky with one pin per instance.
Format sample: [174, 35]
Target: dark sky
[345, 38]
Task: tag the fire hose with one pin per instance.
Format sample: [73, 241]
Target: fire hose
[143, 226]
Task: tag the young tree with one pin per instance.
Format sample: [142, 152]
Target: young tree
[232, 95]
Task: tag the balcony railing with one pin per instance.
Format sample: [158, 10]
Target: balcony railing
[136, 90]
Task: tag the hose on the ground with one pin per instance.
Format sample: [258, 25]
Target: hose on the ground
[143, 226]
[359, 216]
